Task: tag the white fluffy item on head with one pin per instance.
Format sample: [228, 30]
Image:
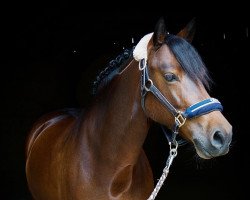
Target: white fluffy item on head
[140, 51]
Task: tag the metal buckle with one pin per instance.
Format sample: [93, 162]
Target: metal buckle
[180, 120]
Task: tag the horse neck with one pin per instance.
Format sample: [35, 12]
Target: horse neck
[117, 122]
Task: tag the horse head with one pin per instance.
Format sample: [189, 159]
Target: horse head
[175, 85]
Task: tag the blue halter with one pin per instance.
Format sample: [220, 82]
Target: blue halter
[201, 108]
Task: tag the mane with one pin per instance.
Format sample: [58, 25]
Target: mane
[189, 59]
[112, 69]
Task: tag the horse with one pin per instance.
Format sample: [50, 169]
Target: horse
[97, 153]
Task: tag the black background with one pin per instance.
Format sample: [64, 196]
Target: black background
[52, 54]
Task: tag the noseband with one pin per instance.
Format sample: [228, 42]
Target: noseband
[195, 110]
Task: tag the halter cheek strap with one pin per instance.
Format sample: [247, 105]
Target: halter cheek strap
[195, 110]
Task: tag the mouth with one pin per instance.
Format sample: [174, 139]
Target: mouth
[207, 151]
[200, 150]
[203, 154]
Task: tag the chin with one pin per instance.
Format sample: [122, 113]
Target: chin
[203, 154]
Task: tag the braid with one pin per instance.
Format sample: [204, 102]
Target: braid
[111, 67]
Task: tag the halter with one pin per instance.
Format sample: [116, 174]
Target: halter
[195, 110]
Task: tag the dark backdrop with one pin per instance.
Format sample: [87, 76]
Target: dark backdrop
[52, 54]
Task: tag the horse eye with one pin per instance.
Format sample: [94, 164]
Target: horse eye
[170, 77]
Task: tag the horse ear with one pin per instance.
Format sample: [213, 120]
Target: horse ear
[159, 33]
[189, 31]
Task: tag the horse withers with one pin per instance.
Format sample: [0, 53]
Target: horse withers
[98, 154]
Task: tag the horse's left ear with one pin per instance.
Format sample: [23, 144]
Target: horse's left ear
[159, 33]
[188, 32]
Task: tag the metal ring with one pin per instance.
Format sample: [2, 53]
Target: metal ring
[173, 152]
[150, 84]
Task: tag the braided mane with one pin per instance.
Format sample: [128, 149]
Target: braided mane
[112, 69]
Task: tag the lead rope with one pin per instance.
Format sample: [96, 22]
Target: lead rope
[172, 155]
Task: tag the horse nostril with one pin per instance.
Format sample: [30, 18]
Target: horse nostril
[218, 139]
